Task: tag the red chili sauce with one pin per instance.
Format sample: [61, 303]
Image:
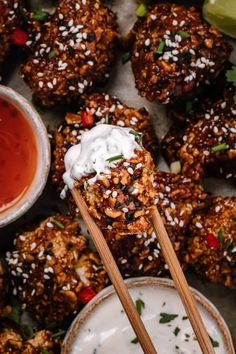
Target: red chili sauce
[18, 155]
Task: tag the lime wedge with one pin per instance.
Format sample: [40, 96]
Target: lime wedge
[222, 14]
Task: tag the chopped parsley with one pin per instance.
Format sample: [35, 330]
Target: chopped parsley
[115, 158]
[219, 147]
[58, 224]
[140, 305]
[215, 344]
[183, 34]
[134, 341]
[160, 47]
[176, 331]
[141, 10]
[167, 317]
[126, 57]
[51, 54]
[40, 15]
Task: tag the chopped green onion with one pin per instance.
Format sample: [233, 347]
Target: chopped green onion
[40, 15]
[220, 235]
[228, 245]
[176, 331]
[189, 106]
[160, 47]
[126, 57]
[52, 54]
[134, 341]
[231, 75]
[234, 221]
[58, 334]
[58, 224]
[184, 318]
[138, 135]
[140, 305]
[214, 343]
[44, 351]
[26, 331]
[183, 34]
[107, 119]
[167, 317]
[219, 147]
[141, 10]
[15, 315]
[115, 158]
[52, 325]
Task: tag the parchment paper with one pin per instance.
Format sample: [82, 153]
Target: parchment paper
[121, 84]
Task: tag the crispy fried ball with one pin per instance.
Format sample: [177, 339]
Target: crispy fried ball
[71, 52]
[53, 266]
[175, 52]
[212, 245]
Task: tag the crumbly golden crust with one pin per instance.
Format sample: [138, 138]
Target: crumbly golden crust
[177, 199]
[46, 269]
[212, 244]
[207, 145]
[174, 52]
[121, 199]
[73, 51]
[9, 21]
[103, 109]
[12, 342]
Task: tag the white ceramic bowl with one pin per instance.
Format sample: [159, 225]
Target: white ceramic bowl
[43, 163]
[100, 319]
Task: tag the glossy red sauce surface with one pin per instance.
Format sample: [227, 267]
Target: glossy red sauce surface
[18, 155]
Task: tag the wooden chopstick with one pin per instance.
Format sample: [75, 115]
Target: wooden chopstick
[181, 283]
[114, 275]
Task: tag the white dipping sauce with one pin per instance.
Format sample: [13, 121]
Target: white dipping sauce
[98, 146]
[107, 329]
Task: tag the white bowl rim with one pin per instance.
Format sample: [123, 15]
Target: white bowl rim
[44, 156]
[140, 281]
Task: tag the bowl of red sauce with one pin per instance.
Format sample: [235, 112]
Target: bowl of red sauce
[24, 155]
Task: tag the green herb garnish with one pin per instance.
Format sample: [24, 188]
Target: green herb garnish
[227, 244]
[15, 315]
[214, 343]
[138, 135]
[176, 331]
[220, 235]
[134, 341]
[231, 75]
[23, 13]
[107, 119]
[26, 331]
[160, 47]
[58, 334]
[183, 34]
[189, 106]
[40, 15]
[219, 147]
[52, 325]
[44, 351]
[140, 305]
[167, 317]
[115, 158]
[141, 10]
[126, 57]
[58, 224]
[51, 54]
[234, 221]
[184, 318]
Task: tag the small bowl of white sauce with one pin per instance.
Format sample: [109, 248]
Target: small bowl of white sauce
[103, 328]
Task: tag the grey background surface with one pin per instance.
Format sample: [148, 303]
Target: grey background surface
[121, 84]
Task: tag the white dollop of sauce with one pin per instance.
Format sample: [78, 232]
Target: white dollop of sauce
[98, 146]
[107, 330]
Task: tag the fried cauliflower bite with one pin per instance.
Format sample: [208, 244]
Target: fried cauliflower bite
[207, 145]
[99, 108]
[175, 52]
[53, 266]
[73, 51]
[11, 342]
[177, 199]
[212, 245]
[9, 20]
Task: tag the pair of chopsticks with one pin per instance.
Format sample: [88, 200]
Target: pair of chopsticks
[122, 291]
